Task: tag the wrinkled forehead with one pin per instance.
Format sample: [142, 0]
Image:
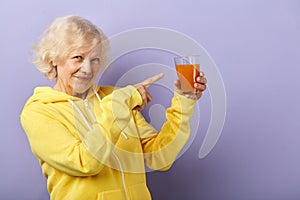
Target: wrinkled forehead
[88, 48]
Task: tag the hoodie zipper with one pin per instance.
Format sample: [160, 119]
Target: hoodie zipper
[117, 158]
[88, 109]
[122, 133]
[85, 102]
[115, 155]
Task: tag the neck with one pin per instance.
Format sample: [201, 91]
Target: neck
[68, 90]
[81, 95]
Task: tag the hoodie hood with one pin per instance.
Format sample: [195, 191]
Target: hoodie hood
[45, 95]
[49, 95]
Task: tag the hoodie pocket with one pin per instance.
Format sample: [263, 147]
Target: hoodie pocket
[139, 191]
[112, 195]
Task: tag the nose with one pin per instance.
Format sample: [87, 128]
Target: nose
[86, 66]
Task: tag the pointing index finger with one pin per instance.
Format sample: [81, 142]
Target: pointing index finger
[152, 79]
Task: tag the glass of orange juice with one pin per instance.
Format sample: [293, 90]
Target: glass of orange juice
[188, 69]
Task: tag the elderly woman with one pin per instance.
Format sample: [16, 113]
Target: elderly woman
[92, 141]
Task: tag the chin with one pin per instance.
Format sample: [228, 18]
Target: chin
[81, 90]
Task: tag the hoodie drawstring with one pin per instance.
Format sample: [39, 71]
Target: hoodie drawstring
[99, 99]
[97, 95]
[89, 111]
[81, 114]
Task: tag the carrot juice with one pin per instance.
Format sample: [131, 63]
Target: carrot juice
[187, 74]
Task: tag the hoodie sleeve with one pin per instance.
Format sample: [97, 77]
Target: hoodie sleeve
[116, 108]
[75, 150]
[114, 116]
[52, 142]
[161, 149]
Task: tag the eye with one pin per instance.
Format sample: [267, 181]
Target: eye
[95, 60]
[77, 58]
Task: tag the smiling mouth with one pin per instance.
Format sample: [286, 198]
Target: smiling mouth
[83, 78]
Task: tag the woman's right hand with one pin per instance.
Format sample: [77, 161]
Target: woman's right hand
[200, 87]
[142, 89]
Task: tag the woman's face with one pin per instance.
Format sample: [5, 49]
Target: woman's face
[76, 75]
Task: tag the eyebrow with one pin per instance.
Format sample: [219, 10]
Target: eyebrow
[84, 52]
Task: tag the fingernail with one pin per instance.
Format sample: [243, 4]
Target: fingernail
[201, 74]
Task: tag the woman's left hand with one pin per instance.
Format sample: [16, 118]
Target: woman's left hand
[200, 87]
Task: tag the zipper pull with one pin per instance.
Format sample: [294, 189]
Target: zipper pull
[124, 135]
[86, 103]
[88, 109]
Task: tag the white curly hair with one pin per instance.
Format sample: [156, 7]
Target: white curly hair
[63, 36]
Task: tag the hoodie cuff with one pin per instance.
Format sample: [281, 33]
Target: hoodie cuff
[183, 104]
[132, 94]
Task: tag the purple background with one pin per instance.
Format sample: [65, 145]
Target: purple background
[255, 45]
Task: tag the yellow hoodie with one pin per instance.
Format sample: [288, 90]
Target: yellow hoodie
[97, 148]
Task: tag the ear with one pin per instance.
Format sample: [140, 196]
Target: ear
[53, 64]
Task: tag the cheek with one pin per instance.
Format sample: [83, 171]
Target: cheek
[67, 70]
[96, 70]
